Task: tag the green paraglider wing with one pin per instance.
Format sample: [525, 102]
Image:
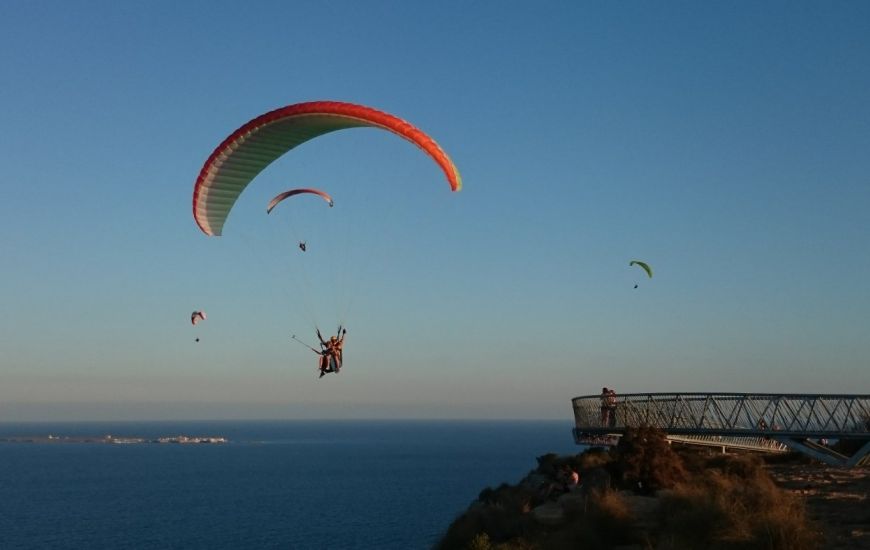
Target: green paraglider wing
[643, 265]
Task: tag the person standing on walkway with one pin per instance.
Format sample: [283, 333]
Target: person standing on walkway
[605, 407]
[611, 408]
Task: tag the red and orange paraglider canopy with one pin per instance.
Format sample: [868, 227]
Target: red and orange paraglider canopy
[251, 148]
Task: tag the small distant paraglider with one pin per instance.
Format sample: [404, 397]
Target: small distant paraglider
[643, 265]
[196, 317]
[286, 194]
[303, 246]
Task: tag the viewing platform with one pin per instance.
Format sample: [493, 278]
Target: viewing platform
[762, 422]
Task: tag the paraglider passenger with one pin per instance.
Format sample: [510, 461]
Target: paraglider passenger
[338, 348]
[327, 359]
[302, 246]
[324, 362]
[326, 354]
[334, 363]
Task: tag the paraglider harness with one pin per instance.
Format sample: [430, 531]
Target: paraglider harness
[329, 352]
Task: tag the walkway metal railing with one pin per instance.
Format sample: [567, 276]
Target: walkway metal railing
[772, 421]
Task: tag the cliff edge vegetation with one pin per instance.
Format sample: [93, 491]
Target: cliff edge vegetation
[641, 494]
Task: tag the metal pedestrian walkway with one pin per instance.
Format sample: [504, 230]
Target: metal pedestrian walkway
[753, 421]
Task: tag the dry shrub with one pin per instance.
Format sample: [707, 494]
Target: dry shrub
[734, 505]
[495, 523]
[603, 522]
[645, 461]
[746, 467]
[608, 507]
[501, 514]
[464, 530]
[549, 464]
[694, 458]
[590, 458]
[696, 514]
[788, 458]
[786, 526]
[482, 542]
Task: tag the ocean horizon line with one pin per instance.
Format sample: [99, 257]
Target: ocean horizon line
[326, 420]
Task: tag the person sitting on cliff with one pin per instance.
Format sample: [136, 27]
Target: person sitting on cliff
[566, 481]
[572, 480]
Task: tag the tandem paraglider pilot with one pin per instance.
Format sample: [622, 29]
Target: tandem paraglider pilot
[331, 352]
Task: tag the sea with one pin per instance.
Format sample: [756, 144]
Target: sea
[275, 484]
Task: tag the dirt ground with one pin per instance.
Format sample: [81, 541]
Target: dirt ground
[835, 498]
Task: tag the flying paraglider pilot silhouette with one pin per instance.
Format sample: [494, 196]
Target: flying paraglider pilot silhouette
[643, 265]
[196, 317]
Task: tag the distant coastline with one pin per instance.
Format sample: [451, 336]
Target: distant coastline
[115, 440]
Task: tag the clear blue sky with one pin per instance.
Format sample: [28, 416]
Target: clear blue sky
[726, 144]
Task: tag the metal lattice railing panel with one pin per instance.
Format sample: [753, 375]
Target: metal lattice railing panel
[748, 414]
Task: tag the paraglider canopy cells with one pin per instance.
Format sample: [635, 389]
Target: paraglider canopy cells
[286, 194]
[255, 145]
